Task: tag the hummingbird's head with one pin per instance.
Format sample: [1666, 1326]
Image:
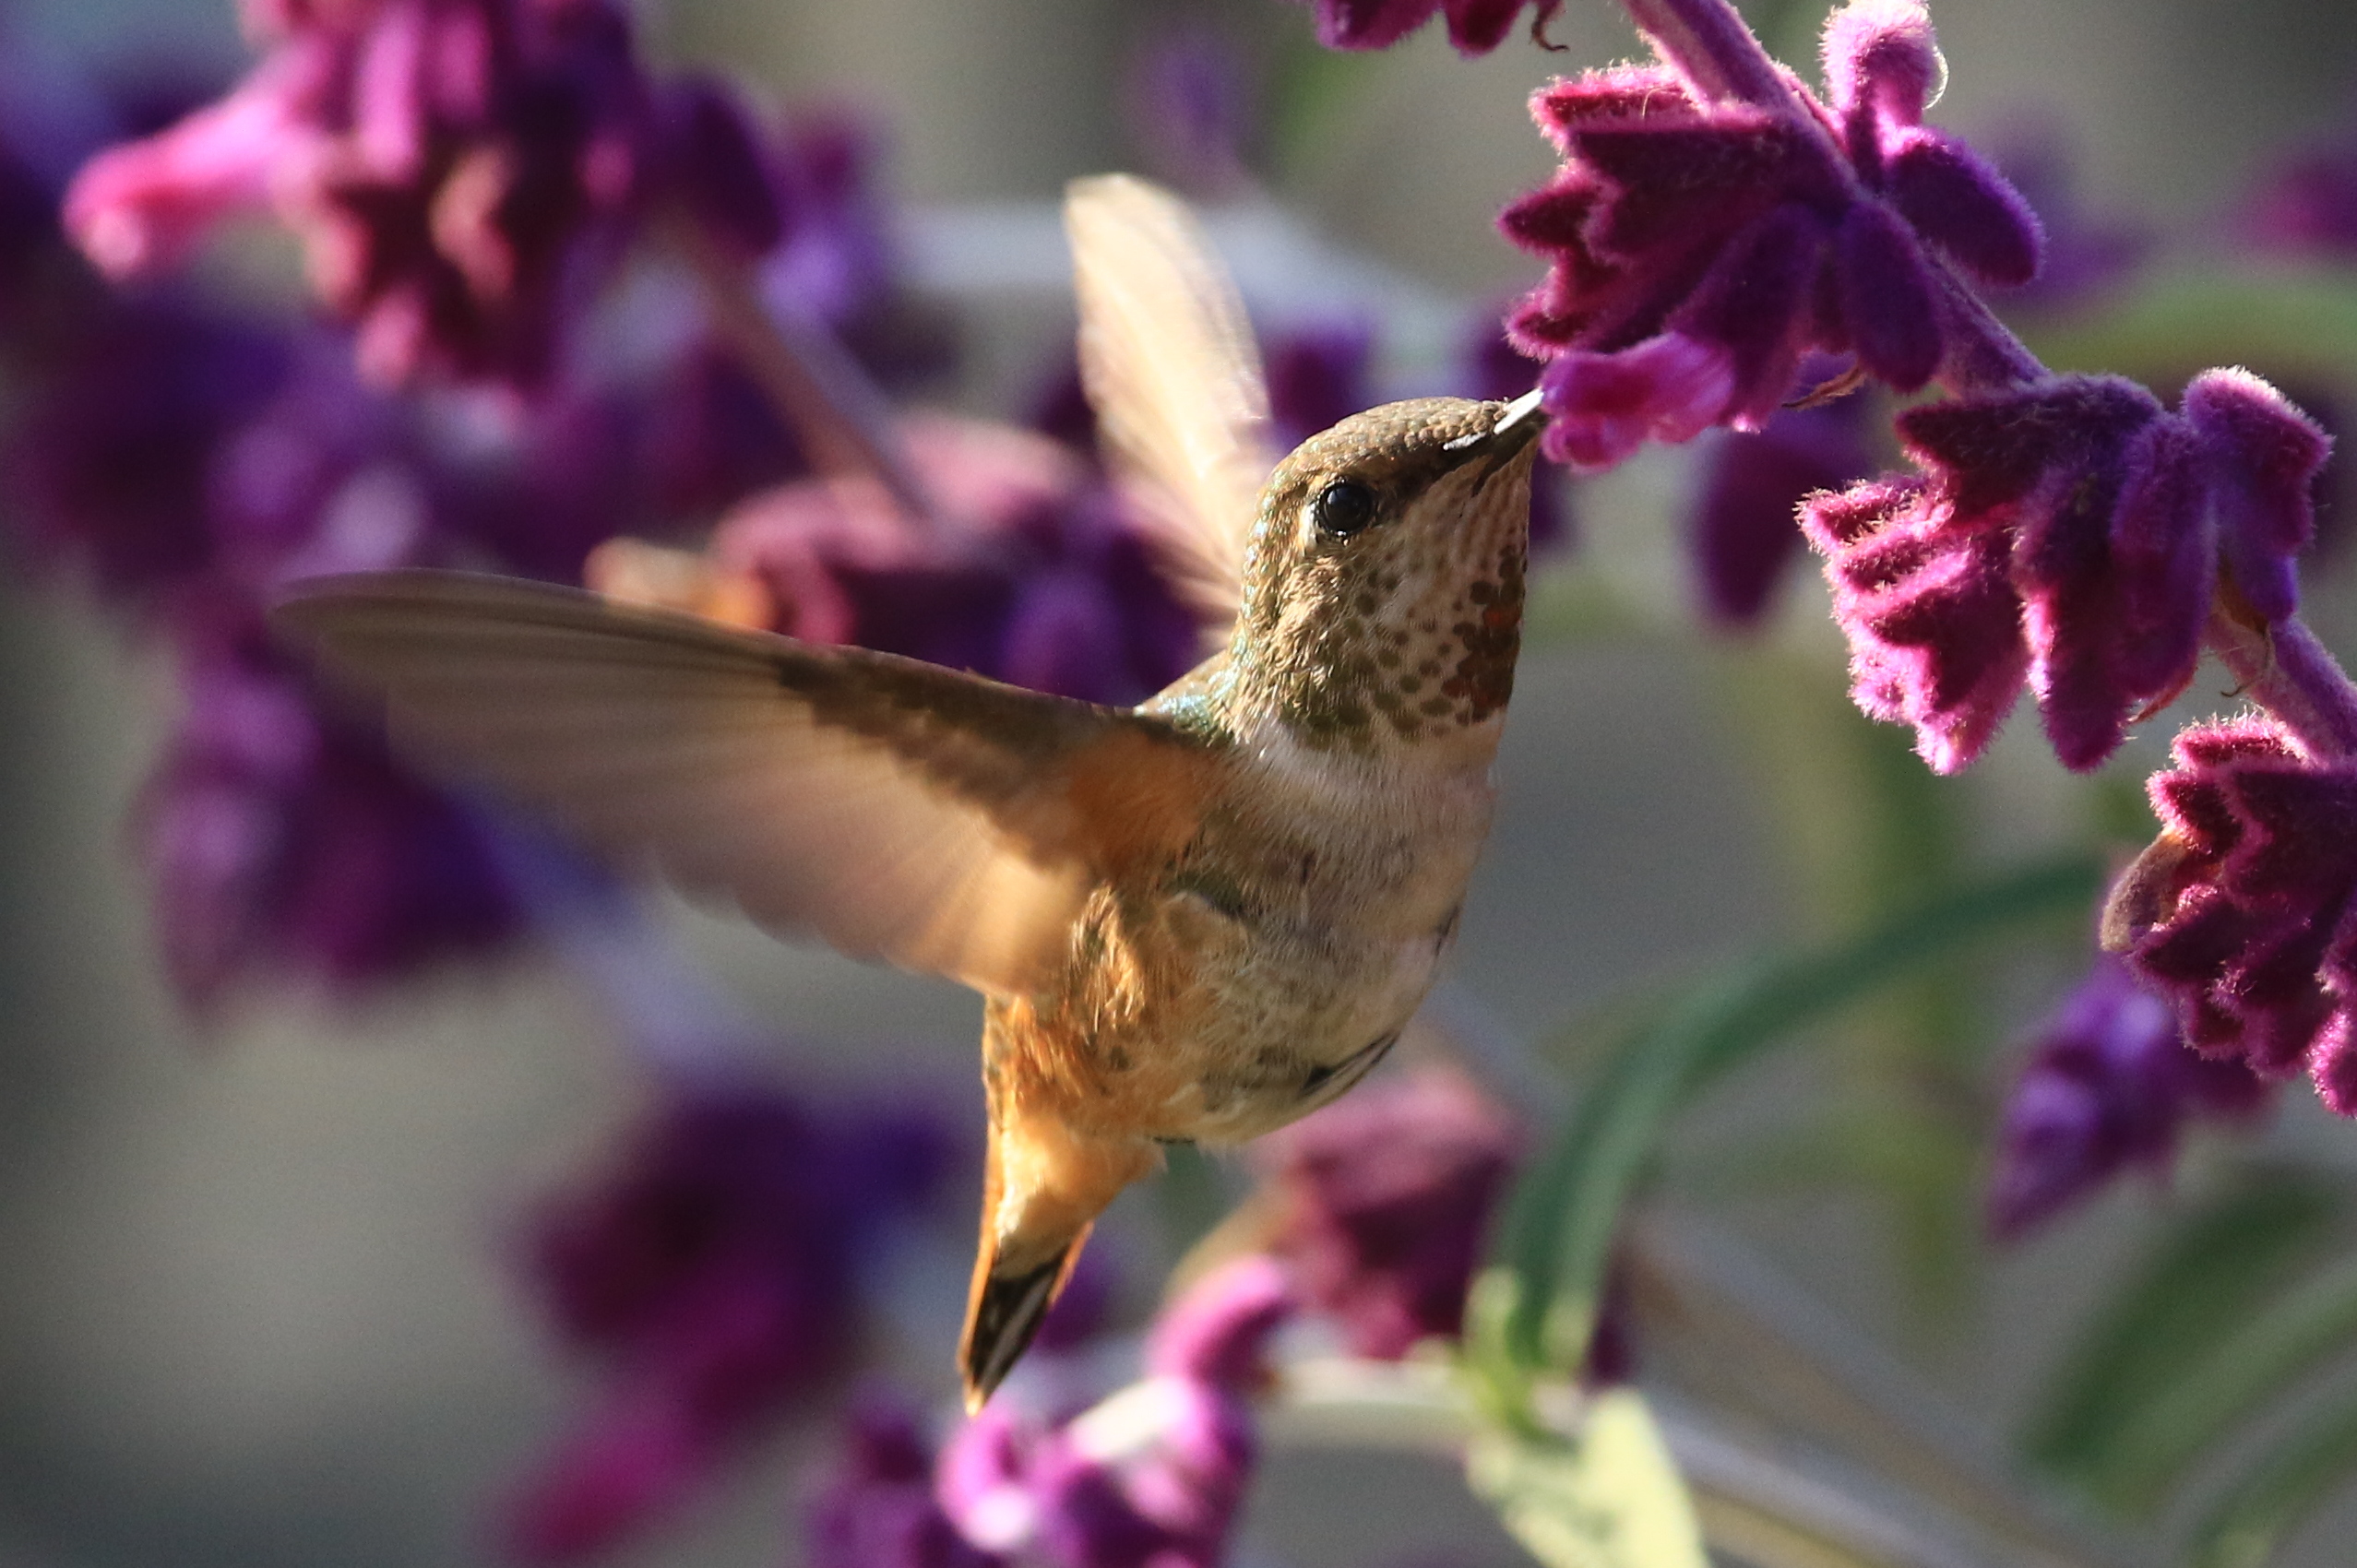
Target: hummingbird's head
[1383, 586]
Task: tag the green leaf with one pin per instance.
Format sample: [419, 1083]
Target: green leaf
[2197, 1285]
[1534, 1305]
[1609, 1498]
[2313, 1322]
[2275, 1494]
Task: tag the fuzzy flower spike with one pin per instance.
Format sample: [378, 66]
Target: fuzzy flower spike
[1714, 220]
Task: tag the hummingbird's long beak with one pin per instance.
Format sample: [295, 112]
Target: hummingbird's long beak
[1515, 429]
[1523, 410]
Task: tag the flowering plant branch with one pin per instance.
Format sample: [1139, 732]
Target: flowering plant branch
[1715, 220]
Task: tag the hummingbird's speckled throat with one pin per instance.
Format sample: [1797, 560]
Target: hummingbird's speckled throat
[1408, 628]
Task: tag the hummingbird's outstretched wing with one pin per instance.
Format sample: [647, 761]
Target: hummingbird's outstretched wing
[892, 808]
[1168, 359]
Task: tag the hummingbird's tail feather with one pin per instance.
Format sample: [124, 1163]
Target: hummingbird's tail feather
[1004, 1311]
[1043, 1185]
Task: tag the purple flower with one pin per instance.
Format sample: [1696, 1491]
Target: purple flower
[284, 847]
[1319, 374]
[2087, 256]
[458, 170]
[876, 1508]
[2110, 1083]
[2070, 534]
[2238, 914]
[1745, 522]
[1039, 576]
[713, 1270]
[1702, 239]
[1383, 1201]
[2307, 204]
[112, 454]
[1475, 26]
[1152, 1476]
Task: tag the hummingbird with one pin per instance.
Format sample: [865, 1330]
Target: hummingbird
[1193, 920]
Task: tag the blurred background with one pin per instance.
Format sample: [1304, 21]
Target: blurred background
[259, 1295]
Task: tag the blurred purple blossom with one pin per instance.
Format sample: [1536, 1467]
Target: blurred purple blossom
[713, 1271]
[1745, 521]
[463, 173]
[1383, 1201]
[2307, 204]
[289, 848]
[2109, 1084]
[2088, 255]
[2069, 536]
[1152, 1476]
[1704, 234]
[1475, 26]
[2239, 913]
[1319, 374]
[875, 1508]
[1039, 576]
[111, 455]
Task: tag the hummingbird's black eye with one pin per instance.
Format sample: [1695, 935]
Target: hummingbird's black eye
[1343, 508]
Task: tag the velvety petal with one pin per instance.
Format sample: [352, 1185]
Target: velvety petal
[1933, 626]
[1997, 449]
[1745, 522]
[2164, 555]
[714, 1270]
[1680, 185]
[2295, 842]
[2265, 456]
[1370, 24]
[1554, 216]
[1880, 53]
[1967, 208]
[1886, 297]
[1753, 306]
[1603, 406]
[1614, 93]
[2272, 989]
[875, 1508]
[1476, 27]
[2110, 1083]
[1382, 1200]
[2332, 1063]
[1218, 1331]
